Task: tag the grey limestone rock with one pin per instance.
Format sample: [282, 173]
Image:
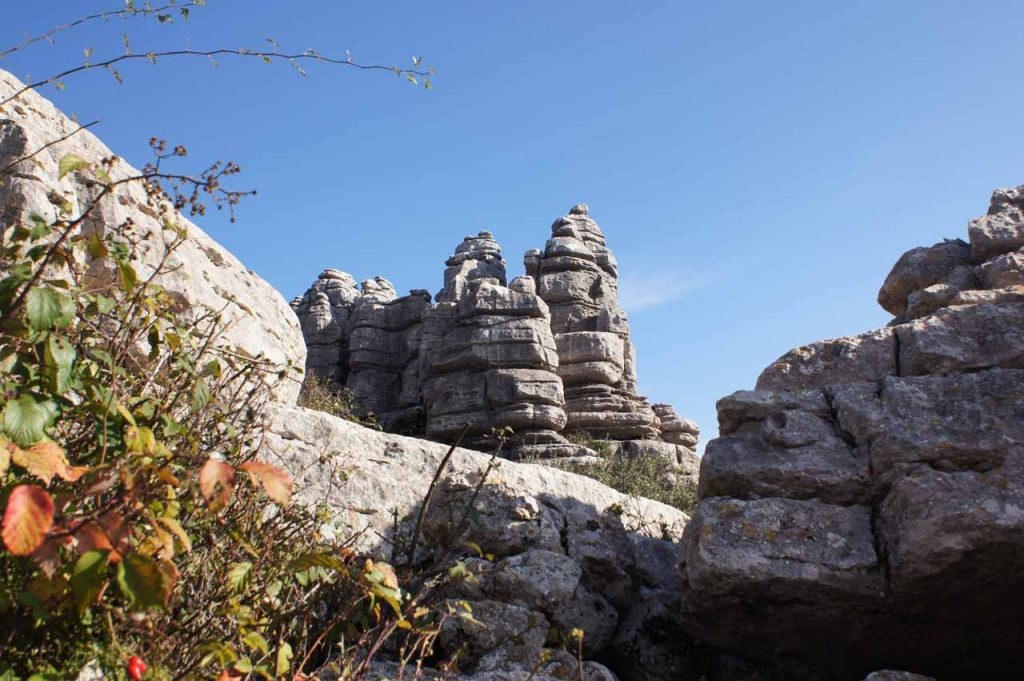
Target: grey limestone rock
[866, 357]
[546, 353]
[200, 274]
[920, 268]
[863, 508]
[1002, 229]
[577, 276]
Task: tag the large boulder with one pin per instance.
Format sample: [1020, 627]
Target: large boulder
[199, 274]
[862, 508]
[549, 550]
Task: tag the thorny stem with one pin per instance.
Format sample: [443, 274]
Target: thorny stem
[125, 13]
[223, 51]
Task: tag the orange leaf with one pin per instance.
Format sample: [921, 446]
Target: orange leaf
[216, 483]
[230, 675]
[276, 482]
[46, 460]
[29, 516]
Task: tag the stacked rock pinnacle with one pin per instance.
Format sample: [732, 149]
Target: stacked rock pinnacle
[868, 496]
[548, 353]
[577, 276]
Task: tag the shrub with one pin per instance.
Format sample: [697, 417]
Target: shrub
[125, 430]
[319, 393]
[642, 476]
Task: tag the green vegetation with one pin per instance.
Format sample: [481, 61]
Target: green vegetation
[320, 394]
[643, 476]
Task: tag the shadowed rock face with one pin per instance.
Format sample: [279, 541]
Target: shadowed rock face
[547, 353]
[864, 507]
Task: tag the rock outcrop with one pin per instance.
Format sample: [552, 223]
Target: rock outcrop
[546, 354]
[199, 274]
[493, 366]
[558, 551]
[577, 276]
[864, 506]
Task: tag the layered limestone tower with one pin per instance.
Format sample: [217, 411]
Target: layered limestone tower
[490, 357]
[868, 496]
[577, 276]
[548, 353]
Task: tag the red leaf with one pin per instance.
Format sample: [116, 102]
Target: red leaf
[216, 483]
[29, 516]
[276, 482]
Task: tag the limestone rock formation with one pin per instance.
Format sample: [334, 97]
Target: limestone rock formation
[545, 354]
[862, 508]
[202, 275]
[494, 366]
[560, 550]
[577, 276]
[477, 257]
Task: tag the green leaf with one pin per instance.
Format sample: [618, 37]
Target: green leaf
[26, 420]
[104, 304]
[284, 660]
[238, 576]
[89, 576]
[255, 641]
[200, 395]
[308, 560]
[96, 247]
[48, 309]
[70, 164]
[60, 359]
[128, 276]
[40, 227]
[145, 583]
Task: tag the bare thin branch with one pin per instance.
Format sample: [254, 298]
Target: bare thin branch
[29, 157]
[265, 56]
[124, 13]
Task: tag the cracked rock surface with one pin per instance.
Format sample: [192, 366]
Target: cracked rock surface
[863, 508]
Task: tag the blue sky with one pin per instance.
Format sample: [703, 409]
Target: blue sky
[757, 167]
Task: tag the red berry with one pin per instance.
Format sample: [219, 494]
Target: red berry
[136, 668]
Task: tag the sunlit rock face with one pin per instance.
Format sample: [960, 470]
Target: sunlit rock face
[577, 276]
[864, 506]
[546, 354]
[491, 360]
[199, 274]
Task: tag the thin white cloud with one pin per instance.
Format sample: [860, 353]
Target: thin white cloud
[653, 287]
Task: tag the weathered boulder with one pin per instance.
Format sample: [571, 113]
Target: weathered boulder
[562, 551]
[867, 357]
[477, 257]
[199, 274]
[920, 268]
[864, 507]
[1002, 229]
[489, 356]
[367, 340]
[676, 429]
[494, 367]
